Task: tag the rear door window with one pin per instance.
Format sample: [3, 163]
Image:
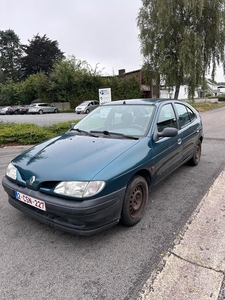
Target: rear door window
[185, 115]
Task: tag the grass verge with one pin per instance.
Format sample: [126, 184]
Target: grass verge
[26, 134]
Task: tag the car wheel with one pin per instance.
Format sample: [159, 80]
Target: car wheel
[40, 112]
[135, 201]
[197, 155]
[87, 111]
[56, 111]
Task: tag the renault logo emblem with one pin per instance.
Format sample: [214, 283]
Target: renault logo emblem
[32, 180]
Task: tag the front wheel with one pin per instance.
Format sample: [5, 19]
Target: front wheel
[197, 155]
[40, 112]
[135, 201]
[87, 111]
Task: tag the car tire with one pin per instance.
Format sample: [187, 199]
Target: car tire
[56, 111]
[135, 201]
[194, 161]
[87, 111]
[40, 112]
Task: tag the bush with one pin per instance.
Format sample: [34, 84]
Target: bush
[221, 97]
[25, 134]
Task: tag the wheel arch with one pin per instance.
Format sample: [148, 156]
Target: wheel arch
[145, 174]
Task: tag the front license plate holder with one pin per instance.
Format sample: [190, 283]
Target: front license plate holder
[39, 204]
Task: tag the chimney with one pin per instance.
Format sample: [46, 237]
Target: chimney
[122, 72]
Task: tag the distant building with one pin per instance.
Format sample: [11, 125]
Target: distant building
[161, 91]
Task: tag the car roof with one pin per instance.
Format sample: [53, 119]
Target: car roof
[40, 103]
[142, 101]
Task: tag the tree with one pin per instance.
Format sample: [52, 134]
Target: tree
[182, 40]
[123, 88]
[35, 86]
[74, 80]
[10, 56]
[41, 54]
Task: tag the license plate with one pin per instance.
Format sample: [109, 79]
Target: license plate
[30, 200]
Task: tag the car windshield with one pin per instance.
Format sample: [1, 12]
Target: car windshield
[84, 103]
[127, 120]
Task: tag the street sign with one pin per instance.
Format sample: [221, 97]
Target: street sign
[105, 95]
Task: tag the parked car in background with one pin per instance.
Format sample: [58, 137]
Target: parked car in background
[4, 110]
[23, 109]
[111, 159]
[14, 110]
[86, 107]
[42, 108]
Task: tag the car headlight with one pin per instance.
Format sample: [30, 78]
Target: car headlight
[11, 171]
[79, 189]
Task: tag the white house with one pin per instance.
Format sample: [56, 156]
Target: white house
[183, 93]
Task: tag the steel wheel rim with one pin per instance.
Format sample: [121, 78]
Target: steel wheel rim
[197, 152]
[137, 201]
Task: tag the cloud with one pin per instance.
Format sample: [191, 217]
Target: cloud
[98, 31]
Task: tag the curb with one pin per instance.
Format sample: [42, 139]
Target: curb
[194, 269]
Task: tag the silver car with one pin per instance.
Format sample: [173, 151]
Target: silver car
[41, 108]
[4, 110]
[86, 106]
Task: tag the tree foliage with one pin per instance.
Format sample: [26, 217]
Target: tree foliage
[10, 56]
[40, 56]
[47, 74]
[71, 80]
[182, 40]
[74, 80]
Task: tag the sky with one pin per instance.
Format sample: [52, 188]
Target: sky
[103, 33]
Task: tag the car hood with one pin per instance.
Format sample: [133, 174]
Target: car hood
[70, 157]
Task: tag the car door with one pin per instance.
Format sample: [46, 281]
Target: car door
[188, 129]
[167, 150]
[48, 108]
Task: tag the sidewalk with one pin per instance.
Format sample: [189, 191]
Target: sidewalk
[195, 268]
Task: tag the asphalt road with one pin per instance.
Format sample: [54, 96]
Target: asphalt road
[41, 120]
[38, 262]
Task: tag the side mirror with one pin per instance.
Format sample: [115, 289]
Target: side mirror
[72, 125]
[167, 132]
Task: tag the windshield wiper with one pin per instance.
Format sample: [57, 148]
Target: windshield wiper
[83, 131]
[109, 133]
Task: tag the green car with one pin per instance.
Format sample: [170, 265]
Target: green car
[100, 171]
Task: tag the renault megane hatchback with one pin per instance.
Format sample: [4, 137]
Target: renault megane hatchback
[100, 171]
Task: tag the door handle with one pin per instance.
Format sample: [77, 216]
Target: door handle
[179, 141]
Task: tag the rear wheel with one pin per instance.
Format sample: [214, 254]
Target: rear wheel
[40, 112]
[135, 201]
[197, 155]
[56, 111]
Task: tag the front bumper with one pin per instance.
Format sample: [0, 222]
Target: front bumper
[80, 111]
[77, 217]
